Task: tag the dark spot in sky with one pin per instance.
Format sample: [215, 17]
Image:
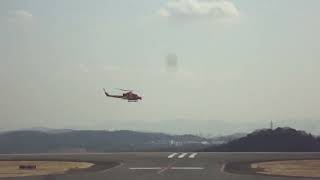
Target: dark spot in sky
[172, 62]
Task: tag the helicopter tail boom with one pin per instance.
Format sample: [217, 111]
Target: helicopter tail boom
[105, 92]
[109, 95]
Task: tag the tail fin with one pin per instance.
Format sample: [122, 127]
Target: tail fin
[105, 92]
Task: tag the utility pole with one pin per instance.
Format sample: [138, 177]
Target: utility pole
[271, 125]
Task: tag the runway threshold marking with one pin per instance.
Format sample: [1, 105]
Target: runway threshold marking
[193, 155]
[172, 155]
[182, 155]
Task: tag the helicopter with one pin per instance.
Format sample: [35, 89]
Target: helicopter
[128, 95]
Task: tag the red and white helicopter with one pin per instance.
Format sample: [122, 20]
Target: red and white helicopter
[129, 95]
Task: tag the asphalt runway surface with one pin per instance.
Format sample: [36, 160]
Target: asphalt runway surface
[161, 166]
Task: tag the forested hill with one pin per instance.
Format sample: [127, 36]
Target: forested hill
[268, 140]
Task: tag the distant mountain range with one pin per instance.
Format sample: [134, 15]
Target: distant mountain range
[269, 140]
[44, 140]
[47, 130]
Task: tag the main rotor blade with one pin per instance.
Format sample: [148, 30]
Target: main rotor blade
[127, 90]
[123, 89]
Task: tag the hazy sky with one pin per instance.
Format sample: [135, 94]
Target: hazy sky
[239, 64]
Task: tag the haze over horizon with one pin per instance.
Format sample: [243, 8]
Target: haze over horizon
[201, 66]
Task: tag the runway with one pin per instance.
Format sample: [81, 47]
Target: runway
[160, 166]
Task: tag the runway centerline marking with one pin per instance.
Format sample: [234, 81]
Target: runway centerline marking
[172, 155]
[187, 168]
[161, 170]
[182, 155]
[193, 155]
[145, 168]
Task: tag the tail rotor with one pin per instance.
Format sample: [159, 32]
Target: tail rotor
[105, 92]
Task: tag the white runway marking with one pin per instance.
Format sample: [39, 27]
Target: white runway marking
[182, 155]
[103, 171]
[222, 167]
[172, 155]
[145, 168]
[161, 170]
[166, 168]
[187, 168]
[193, 155]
